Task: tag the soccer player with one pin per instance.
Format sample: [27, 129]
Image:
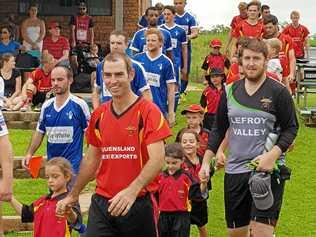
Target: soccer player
[242, 7]
[6, 162]
[126, 145]
[287, 54]
[142, 23]
[139, 40]
[63, 119]
[81, 32]
[160, 73]
[179, 45]
[188, 22]
[139, 85]
[257, 105]
[299, 34]
[265, 10]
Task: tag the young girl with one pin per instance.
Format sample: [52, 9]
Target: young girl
[42, 211]
[176, 188]
[192, 164]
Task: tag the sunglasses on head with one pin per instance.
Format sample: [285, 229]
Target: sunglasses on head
[82, 8]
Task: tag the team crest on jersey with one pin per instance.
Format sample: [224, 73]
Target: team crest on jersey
[160, 66]
[130, 130]
[70, 115]
[266, 103]
[187, 19]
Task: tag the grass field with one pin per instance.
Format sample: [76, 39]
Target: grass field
[299, 208]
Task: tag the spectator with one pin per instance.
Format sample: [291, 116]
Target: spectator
[274, 67]
[12, 81]
[11, 22]
[7, 44]
[82, 33]
[265, 10]
[38, 86]
[33, 32]
[55, 44]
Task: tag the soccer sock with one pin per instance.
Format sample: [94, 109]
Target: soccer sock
[176, 98]
[184, 85]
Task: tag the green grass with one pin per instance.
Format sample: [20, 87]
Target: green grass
[313, 42]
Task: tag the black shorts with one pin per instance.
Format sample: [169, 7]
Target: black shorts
[198, 214]
[139, 221]
[239, 207]
[174, 224]
[39, 98]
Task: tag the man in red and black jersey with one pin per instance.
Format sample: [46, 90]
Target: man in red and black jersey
[299, 34]
[82, 33]
[286, 55]
[126, 145]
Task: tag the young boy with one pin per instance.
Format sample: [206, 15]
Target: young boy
[194, 115]
[176, 188]
[274, 68]
[215, 59]
[211, 96]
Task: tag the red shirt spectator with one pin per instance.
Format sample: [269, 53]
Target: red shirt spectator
[41, 80]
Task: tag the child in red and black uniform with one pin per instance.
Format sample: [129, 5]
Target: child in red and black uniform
[42, 212]
[215, 59]
[211, 96]
[176, 188]
[194, 115]
[192, 163]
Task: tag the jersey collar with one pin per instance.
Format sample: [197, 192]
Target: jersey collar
[155, 58]
[61, 107]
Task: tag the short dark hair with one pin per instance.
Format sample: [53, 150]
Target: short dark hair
[116, 56]
[189, 130]
[255, 45]
[120, 33]
[174, 150]
[66, 66]
[270, 19]
[150, 9]
[265, 7]
[170, 8]
[254, 3]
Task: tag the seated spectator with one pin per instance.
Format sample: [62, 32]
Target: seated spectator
[11, 80]
[33, 32]
[38, 87]
[7, 44]
[55, 44]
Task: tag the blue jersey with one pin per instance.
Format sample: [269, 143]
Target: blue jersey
[13, 47]
[138, 84]
[159, 72]
[187, 22]
[65, 127]
[139, 41]
[178, 38]
[142, 22]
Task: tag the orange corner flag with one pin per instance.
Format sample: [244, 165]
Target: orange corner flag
[35, 165]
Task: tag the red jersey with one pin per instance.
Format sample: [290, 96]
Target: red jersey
[287, 45]
[42, 213]
[236, 21]
[42, 81]
[192, 169]
[56, 48]
[203, 140]
[211, 97]
[122, 140]
[215, 61]
[82, 25]
[245, 29]
[174, 191]
[233, 74]
[298, 35]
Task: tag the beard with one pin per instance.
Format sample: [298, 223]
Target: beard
[254, 76]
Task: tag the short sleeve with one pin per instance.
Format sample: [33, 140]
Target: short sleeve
[93, 131]
[66, 45]
[139, 81]
[136, 44]
[169, 72]
[99, 79]
[236, 31]
[41, 126]
[27, 214]
[167, 41]
[205, 64]
[155, 127]
[45, 44]
[84, 115]
[183, 37]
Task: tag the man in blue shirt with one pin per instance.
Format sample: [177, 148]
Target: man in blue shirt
[160, 73]
[139, 85]
[139, 40]
[188, 23]
[179, 46]
[63, 119]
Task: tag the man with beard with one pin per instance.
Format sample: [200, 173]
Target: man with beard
[252, 109]
[286, 55]
[64, 119]
[139, 40]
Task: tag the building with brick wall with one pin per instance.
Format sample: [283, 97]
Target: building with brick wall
[107, 14]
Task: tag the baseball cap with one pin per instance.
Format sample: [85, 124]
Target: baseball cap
[54, 24]
[260, 189]
[216, 43]
[82, 4]
[216, 71]
[194, 108]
